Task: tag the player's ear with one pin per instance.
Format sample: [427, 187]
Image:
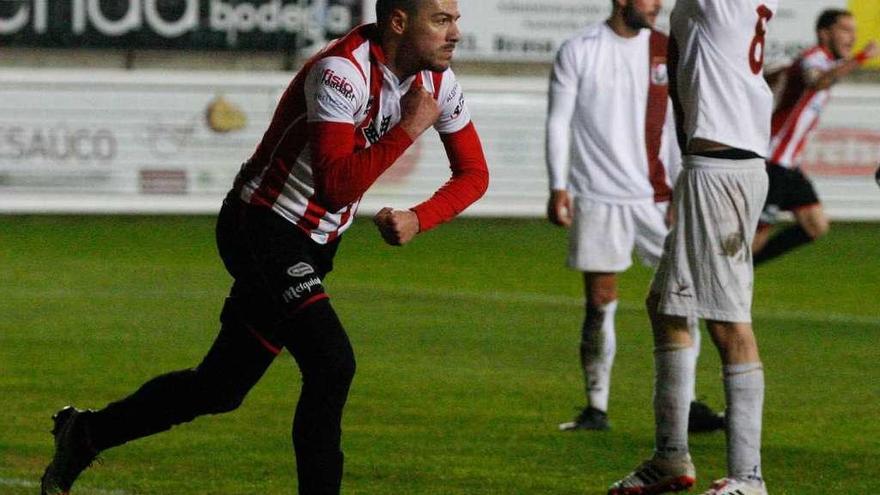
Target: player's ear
[398, 21]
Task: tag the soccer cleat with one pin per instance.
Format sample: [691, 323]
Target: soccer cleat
[730, 486]
[73, 452]
[588, 419]
[702, 418]
[657, 476]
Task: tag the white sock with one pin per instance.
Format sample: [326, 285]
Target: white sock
[673, 385]
[696, 337]
[598, 346]
[744, 391]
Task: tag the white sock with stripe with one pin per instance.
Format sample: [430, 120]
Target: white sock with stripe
[744, 391]
[673, 386]
[598, 346]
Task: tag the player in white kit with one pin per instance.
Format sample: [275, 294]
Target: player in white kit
[611, 157]
[723, 110]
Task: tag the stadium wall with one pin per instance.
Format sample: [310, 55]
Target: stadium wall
[159, 142]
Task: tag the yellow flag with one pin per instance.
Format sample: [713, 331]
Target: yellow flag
[867, 14]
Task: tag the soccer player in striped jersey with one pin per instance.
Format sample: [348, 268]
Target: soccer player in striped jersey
[723, 107]
[612, 156]
[347, 116]
[804, 89]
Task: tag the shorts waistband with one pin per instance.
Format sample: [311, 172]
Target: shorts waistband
[705, 162]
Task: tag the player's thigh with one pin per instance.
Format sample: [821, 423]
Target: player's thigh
[650, 232]
[707, 269]
[601, 237]
[280, 272]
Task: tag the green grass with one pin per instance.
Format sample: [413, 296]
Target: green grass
[467, 359]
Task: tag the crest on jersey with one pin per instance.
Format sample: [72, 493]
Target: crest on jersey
[659, 72]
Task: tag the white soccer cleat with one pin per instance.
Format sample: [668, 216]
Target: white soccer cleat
[657, 476]
[730, 486]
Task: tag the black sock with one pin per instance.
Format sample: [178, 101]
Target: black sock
[781, 243]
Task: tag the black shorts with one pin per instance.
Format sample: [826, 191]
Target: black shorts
[789, 189]
[278, 269]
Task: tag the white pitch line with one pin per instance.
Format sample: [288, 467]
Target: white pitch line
[19, 483]
[568, 301]
[499, 297]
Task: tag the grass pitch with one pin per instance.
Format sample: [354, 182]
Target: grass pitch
[467, 359]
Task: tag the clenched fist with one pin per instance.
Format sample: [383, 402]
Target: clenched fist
[418, 111]
[397, 226]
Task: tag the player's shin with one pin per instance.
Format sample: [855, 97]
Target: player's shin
[744, 390]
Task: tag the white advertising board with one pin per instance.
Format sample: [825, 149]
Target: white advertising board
[532, 30]
[150, 142]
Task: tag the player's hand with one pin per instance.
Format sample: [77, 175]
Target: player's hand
[559, 208]
[871, 50]
[418, 111]
[670, 215]
[397, 226]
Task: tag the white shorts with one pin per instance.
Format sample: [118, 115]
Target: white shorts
[706, 268]
[603, 235]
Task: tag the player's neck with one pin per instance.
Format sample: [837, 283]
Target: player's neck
[620, 27]
[396, 60]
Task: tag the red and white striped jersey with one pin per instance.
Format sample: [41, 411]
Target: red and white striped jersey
[799, 107]
[347, 83]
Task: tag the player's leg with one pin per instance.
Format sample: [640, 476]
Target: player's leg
[791, 190]
[743, 377]
[601, 243]
[729, 204]
[326, 361]
[670, 467]
[651, 231]
[292, 268]
[597, 349]
[235, 362]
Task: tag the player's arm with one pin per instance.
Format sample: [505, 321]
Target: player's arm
[469, 172]
[341, 174]
[670, 153]
[561, 105]
[816, 78]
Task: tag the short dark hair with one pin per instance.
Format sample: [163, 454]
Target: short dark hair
[385, 7]
[829, 17]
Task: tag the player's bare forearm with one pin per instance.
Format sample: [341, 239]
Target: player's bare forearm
[397, 227]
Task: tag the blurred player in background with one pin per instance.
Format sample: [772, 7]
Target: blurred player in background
[346, 117]
[723, 108]
[804, 89]
[609, 94]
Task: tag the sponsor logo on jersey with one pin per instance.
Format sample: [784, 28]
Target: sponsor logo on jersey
[300, 269]
[453, 93]
[659, 73]
[338, 83]
[298, 291]
[458, 108]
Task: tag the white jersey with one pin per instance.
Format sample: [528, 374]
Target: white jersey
[718, 48]
[597, 143]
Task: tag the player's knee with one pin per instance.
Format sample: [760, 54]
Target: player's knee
[216, 396]
[335, 373]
